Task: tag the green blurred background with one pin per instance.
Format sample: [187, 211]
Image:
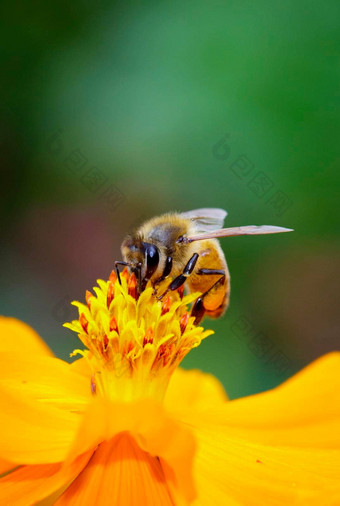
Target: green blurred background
[115, 112]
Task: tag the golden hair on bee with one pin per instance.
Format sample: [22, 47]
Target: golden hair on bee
[185, 248]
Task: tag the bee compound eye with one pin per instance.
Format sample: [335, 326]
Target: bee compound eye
[152, 256]
[152, 259]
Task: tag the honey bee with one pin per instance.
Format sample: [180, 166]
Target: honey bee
[185, 247]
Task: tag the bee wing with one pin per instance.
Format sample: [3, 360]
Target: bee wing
[206, 219]
[229, 232]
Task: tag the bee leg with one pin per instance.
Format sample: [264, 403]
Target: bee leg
[198, 308]
[211, 272]
[165, 273]
[137, 270]
[180, 280]
[117, 262]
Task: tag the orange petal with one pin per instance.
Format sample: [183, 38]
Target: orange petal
[193, 389]
[16, 335]
[81, 366]
[33, 433]
[232, 470]
[45, 379]
[30, 484]
[154, 431]
[304, 411]
[5, 466]
[119, 473]
[41, 401]
[280, 447]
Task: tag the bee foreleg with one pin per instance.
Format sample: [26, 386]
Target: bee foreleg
[166, 271]
[138, 269]
[198, 308]
[179, 280]
[118, 262]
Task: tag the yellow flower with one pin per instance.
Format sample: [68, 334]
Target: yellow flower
[124, 425]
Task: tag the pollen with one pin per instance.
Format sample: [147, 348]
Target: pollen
[134, 341]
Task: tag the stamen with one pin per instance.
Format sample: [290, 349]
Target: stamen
[132, 286]
[184, 322]
[125, 274]
[110, 293]
[180, 291]
[113, 277]
[113, 325]
[135, 343]
[166, 306]
[88, 296]
[164, 354]
[105, 342]
[128, 347]
[148, 338]
[83, 322]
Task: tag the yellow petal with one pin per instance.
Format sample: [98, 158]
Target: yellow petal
[47, 380]
[119, 473]
[16, 335]
[193, 388]
[276, 448]
[41, 401]
[30, 484]
[32, 433]
[5, 466]
[304, 411]
[82, 366]
[154, 431]
[231, 470]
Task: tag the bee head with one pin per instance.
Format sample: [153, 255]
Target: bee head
[133, 250]
[140, 254]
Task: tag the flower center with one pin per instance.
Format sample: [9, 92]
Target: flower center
[134, 342]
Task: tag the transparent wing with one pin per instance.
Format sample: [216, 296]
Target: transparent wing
[206, 219]
[229, 232]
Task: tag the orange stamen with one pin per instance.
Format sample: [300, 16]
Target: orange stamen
[132, 286]
[184, 322]
[105, 341]
[166, 306]
[124, 333]
[83, 322]
[148, 338]
[113, 277]
[180, 291]
[164, 353]
[113, 325]
[125, 274]
[128, 347]
[88, 296]
[110, 293]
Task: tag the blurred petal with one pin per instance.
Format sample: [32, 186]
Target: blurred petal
[193, 389]
[280, 447]
[45, 379]
[121, 473]
[81, 366]
[5, 466]
[29, 484]
[16, 335]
